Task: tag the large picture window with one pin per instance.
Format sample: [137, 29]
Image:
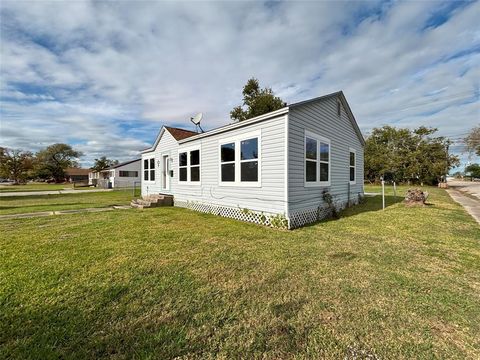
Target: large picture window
[317, 160]
[149, 169]
[189, 166]
[352, 166]
[240, 161]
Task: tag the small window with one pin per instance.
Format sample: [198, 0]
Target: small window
[227, 162]
[183, 166]
[249, 162]
[339, 108]
[352, 166]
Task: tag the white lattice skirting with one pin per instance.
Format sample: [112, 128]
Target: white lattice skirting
[297, 218]
[229, 212]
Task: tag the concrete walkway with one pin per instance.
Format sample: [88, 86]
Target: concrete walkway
[468, 202]
[50, 192]
[62, 212]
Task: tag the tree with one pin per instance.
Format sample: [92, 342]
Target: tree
[15, 164]
[404, 155]
[52, 161]
[257, 101]
[473, 170]
[103, 163]
[472, 141]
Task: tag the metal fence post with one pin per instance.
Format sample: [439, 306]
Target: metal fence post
[383, 194]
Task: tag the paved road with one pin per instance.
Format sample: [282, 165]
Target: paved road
[50, 192]
[469, 187]
[468, 195]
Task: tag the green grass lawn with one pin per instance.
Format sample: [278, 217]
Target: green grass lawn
[27, 204]
[35, 187]
[161, 283]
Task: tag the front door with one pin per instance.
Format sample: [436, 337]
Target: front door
[165, 173]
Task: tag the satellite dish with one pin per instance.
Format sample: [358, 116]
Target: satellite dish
[196, 120]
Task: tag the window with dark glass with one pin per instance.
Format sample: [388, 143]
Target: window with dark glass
[152, 169]
[227, 162]
[352, 166]
[145, 169]
[183, 166]
[324, 161]
[249, 160]
[123, 173]
[310, 159]
[195, 165]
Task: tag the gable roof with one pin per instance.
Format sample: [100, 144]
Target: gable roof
[121, 164]
[177, 133]
[346, 106]
[183, 136]
[279, 112]
[180, 134]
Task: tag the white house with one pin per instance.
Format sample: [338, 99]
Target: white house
[270, 169]
[123, 175]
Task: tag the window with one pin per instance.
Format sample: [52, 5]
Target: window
[240, 161]
[310, 160]
[189, 166]
[339, 108]
[317, 160]
[352, 166]
[148, 169]
[195, 165]
[249, 160]
[228, 162]
[182, 166]
[128, 173]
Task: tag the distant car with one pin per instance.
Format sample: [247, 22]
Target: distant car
[476, 179]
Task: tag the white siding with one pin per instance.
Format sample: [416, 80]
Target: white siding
[121, 182]
[321, 117]
[166, 146]
[269, 197]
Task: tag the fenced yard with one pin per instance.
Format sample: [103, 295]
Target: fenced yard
[169, 282]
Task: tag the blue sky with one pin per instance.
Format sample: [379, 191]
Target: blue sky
[104, 76]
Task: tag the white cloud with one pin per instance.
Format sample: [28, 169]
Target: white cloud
[95, 66]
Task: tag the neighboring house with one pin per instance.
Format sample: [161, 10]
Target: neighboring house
[76, 175]
[123, 175]
[269, 168]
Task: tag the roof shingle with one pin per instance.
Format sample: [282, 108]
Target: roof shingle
[180, 134]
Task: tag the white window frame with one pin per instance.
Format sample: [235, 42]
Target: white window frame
[188, 150]
[352, 150]
[149, 169]
[238, 140]
[319, 139]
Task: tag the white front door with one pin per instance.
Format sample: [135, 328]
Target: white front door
[165, 173]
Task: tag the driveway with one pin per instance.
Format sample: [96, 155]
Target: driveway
[466, 194]
[49, 192]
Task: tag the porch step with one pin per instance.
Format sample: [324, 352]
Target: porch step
[154, 200]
